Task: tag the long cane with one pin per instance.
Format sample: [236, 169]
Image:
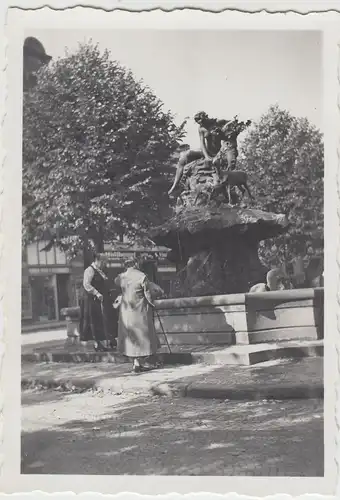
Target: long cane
[166, 339]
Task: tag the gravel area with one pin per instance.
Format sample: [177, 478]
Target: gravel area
[120, 434]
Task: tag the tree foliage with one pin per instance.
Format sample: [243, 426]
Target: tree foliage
[284, 158]
[97, 148]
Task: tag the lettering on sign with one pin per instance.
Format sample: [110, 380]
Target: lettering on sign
[121, 256]
[169, 269]
[48, 270]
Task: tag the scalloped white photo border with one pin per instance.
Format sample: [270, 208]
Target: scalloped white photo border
[16, 20]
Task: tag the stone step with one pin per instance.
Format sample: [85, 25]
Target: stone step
[225, 355]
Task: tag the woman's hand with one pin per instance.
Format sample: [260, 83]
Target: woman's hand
[117, 302]
[100, 297]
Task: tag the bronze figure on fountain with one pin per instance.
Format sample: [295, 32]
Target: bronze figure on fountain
[214, 244]
[203, 171]
[210, 145]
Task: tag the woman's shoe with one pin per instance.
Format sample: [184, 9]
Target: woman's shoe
[136, 369]
[99, 347]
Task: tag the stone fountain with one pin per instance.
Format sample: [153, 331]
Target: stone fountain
[214, 243]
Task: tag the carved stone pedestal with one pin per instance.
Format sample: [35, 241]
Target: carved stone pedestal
[216, 248]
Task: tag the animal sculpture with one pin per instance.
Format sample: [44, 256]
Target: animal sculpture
[231, 179]
[273, 282]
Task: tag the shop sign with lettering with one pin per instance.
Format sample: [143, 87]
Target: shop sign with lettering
[35, 271]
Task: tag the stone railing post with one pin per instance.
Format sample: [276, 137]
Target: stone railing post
[72, 316]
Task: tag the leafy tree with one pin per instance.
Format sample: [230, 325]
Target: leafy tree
[97, 152]
[284, 158]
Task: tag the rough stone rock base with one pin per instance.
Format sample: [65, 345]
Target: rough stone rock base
[228, 267]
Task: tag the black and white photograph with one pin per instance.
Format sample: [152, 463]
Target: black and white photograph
[173, 251]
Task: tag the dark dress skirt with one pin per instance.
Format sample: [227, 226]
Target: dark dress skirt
[98, 321]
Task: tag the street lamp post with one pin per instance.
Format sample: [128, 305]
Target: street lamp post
[34, 57]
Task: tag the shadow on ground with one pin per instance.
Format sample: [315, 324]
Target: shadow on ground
[149, 435]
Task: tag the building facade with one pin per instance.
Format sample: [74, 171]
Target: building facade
[51, 281]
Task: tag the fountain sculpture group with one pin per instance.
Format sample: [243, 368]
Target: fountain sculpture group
[213, 240]
[214, 243]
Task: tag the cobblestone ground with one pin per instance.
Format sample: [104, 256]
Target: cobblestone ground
[111, 434]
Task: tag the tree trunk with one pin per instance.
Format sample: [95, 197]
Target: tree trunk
[87, 254]
[99, 243]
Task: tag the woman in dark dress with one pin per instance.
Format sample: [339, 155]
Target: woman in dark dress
[98, 318]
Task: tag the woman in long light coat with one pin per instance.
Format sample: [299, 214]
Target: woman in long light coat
[137, 337]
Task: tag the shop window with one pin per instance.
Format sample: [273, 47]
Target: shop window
[63, 281]
[60, 257]
[32, 255]
[50, 257]
[42, 255]
[43, 298]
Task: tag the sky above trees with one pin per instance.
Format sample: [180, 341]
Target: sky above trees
[222, 72]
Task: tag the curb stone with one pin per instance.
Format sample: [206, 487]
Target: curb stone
[255, 394]
[89, 357]
[181, 389]
[238, 394]
[183, 358]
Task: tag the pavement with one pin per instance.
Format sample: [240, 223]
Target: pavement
[50, 346]
[190, 371]
[43, 338]
[284, 379]
[109, 434]
[43, 326]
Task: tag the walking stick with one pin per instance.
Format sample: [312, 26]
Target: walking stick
[166, 339]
